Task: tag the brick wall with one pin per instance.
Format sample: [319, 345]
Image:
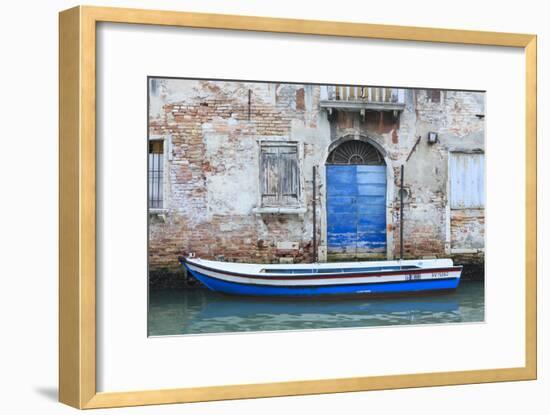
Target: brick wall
[213, 174]
[212, 179]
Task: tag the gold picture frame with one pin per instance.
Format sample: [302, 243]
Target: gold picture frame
[77, 214]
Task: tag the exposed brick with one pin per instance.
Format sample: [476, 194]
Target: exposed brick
[214, 146]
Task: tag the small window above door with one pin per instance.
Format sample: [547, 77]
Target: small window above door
[356, 152]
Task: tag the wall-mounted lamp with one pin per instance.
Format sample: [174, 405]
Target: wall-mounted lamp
[432, 137]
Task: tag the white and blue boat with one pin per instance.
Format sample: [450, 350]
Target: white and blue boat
[326, 279]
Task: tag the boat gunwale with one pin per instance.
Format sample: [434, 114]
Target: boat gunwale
[363, 274]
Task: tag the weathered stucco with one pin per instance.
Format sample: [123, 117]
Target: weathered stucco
[212, 174]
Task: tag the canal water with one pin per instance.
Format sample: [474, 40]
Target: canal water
[193, 311]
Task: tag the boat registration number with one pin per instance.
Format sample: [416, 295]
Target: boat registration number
[413, 277]
[440, 274]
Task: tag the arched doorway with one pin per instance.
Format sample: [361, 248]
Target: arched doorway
[356, 201]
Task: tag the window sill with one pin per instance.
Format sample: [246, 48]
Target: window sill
[158, 214]
[467, 250]
[280, 210]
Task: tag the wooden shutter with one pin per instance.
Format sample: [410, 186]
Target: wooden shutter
[467, 180]
[288, 159]
[279, 175]
[269, 170]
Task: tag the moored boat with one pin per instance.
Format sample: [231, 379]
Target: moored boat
[326, 279]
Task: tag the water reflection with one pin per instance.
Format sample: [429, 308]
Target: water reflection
[201, 311]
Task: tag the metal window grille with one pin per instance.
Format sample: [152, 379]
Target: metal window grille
[156, 173]
[356, 152]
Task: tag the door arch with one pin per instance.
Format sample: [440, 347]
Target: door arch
[356, 176]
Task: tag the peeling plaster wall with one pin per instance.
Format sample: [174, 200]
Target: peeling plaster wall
[458, 120]
[213, 175]
[214, 172]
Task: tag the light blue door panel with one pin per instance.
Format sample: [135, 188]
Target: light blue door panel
[356, 209]
[346, 174]
[343, 242]
[373, 223]
[371, 189]
[344, 223]
[371, 239]
[374, 205]
[371, 174]
[342, 205]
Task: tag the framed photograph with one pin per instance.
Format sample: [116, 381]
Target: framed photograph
[255, 207]
[296, 206]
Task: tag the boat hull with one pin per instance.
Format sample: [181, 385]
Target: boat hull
[340, 290]
[420, 281]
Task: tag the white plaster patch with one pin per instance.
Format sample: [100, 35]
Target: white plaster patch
[231, 194]
[287, 245]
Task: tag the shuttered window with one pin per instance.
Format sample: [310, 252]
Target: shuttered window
[279, 174]
[467, 180]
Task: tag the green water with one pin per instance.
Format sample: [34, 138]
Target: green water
[173, 312]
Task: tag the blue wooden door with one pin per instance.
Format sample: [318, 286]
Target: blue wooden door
[356, 210]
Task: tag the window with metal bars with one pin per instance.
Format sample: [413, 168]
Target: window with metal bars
[279, 174]
[156, 174]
